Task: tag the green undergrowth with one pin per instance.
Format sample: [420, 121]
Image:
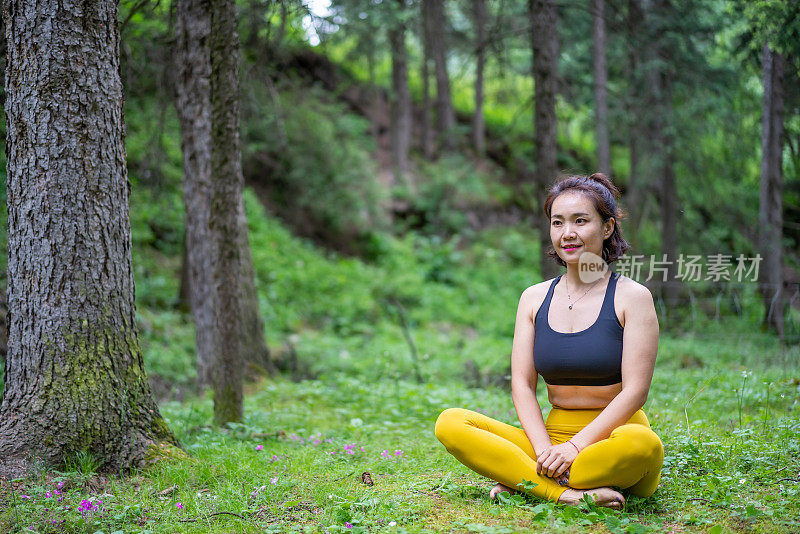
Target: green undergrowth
[420, 305]
[304, 456]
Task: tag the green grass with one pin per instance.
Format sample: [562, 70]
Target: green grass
[731, 435]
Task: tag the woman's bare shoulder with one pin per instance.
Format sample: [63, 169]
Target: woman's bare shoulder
[632, 294]
[534, 295]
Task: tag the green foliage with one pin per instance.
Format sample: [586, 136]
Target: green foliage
[82, 462]
[317, 160]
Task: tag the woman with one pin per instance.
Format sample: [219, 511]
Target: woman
[593, 336]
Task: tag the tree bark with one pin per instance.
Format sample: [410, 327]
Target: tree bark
[544, 20]
[662, 143]
[669, 199]
[253, 343]
[770, 211]
[226, 192]
[193, 93]
[446, 117]
[600, 86]
[401, 100]
[478, 123]
[635, 191]
[75, 380]
[427, 134]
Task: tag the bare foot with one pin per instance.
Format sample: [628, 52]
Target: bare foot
[603, 497]
[497, 489]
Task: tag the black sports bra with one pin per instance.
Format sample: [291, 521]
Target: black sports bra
[591, 357]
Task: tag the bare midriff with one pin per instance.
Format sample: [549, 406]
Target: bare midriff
[582, 397]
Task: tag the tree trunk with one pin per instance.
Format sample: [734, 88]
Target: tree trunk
[193, 93]
[372, 92]
[254, 345]
[226, 192]
[75, 379]
[427, 134]
[635, 190]
[544, 20]
[444, 106]
[401, 101]
[669, 200]
[478, 123]
[770, 213]
[600, 86]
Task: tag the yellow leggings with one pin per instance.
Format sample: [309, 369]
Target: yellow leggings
[630, 458]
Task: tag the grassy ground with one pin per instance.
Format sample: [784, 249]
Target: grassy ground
[724, 401]
[297, 463]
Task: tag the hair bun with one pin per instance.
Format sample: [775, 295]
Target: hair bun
[601, 178]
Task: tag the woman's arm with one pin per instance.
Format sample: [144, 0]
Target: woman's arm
[639, 348]
[523, 375]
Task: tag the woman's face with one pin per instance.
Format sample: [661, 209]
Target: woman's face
[576, 226]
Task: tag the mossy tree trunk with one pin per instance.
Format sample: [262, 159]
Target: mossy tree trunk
[75, 379]
[226, 192]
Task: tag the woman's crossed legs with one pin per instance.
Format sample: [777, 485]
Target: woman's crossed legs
[630, 458]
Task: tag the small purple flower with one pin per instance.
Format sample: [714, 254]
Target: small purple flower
[346, 524]
[48, 494]
[259, 447]
[274, 458]
[398, 453]
[179, 506]
[273, 480]
[24, 497]
[61, 484]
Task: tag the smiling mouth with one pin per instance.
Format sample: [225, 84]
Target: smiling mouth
[570, 247]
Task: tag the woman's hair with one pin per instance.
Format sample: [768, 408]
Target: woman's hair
[603, 195]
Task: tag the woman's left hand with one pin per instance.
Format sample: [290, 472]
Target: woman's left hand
[556, 459]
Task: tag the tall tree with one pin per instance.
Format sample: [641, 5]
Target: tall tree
[478, 122]
[544, 20]
[75, 379]
[661, 140]
[401, 98]
[600, 86]
[193, 93]
[770, 213]
[436, 24]
[226, 192]
[636, 197]
[426, 137]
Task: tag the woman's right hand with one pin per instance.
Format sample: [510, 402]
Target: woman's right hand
[555, 460]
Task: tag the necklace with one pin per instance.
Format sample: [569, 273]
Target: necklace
[571, 304]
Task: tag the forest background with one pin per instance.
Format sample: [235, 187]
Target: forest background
[394, 156]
